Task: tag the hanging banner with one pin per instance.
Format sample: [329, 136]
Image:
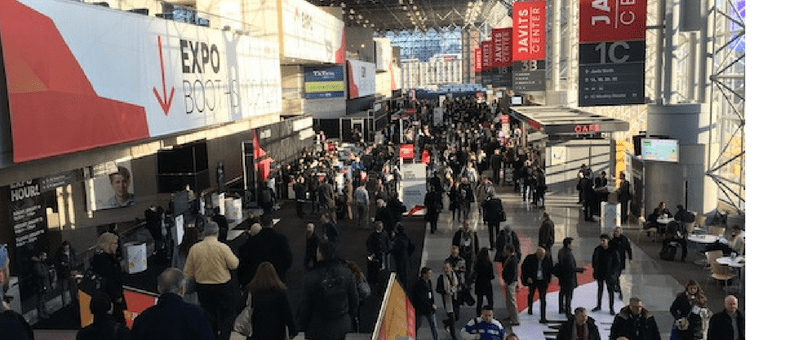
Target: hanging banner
[612, 52]
[486, 62]
[478, 56]
[502, 47]
[309, 32]
[529, 30]
[131, 77]
[529, 46]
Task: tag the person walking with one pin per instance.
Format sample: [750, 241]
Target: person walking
[433, 204]
[567, 273]
[605, 262]
[484, 327]
[171, 318]
[272, 316]
[361, 200]
[621, 244]
[728, 324]
[209, 264]
[689, 311]
[536, 275]
[634, 322]
[106, 264]
[484, 273]
[330, 299]
[510, 278]
[448, 285]
[580, 326]
[546, 233]
[423, 302]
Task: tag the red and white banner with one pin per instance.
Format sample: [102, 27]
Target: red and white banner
[502, 47]
[612, 20]
[529, 30]
[120, 76]
[486, 55]
[478, 60]
[309, 32]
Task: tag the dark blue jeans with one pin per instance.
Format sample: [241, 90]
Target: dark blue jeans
[219, 301]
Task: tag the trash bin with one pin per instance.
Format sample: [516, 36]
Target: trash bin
[136, 257]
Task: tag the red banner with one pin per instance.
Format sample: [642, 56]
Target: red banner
[486, 55]
[612, 20]
[529, 30]
[478, 60]
[502, 47]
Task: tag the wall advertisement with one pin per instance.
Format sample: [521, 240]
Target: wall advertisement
[310, 33]
[122, 76]
[362, 78]
[324, 82]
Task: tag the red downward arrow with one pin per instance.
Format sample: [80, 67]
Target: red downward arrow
[164, 103]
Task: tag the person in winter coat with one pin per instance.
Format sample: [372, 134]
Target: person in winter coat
[728, 324]
[272, 313]
[330, 299]
[634, 322]
[483, 274]
[448, 285]
[493, 214]
[423, 301]
[688, 310]
[580, 323]
[466, 240]
[106, 265]
[433, 204]
[605, 268]
[505, 237]
[536, 275]
[401, 250]
[566, 271]
[621, 244]
[546, 237]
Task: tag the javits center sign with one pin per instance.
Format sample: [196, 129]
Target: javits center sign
[130, 77]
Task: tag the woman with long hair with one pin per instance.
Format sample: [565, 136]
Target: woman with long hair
[483, 274]
[690, 312]
[271, 307]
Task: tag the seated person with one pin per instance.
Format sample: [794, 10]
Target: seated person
[736, 243]
[660, 210]
[675, 232]
[683, 216]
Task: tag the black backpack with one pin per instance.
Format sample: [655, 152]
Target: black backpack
[334, 302]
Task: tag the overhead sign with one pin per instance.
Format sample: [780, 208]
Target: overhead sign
[478, 56]
[137, 78]
[362, 78]
[382, 53]
[324, 82]
[502, 47]
[612, 51]
[310, 33]
[529, 30]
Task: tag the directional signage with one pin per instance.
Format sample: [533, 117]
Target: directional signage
[612, 51]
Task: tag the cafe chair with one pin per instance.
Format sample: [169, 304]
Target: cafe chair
[700, 223]
[718, 272]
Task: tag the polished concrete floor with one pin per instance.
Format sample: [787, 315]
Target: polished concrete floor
[650, 279]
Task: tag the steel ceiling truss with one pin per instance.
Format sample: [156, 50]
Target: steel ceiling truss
[728, 101]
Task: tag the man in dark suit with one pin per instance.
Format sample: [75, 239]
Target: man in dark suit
[268, 245]
[171, 318]
[423, 302]
[536, 274]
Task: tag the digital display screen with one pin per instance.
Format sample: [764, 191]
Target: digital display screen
[517, 100]
[665, 150]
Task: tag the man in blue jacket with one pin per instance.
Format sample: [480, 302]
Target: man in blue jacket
[172, 318]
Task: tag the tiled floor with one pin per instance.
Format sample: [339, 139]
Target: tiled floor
[644, 277]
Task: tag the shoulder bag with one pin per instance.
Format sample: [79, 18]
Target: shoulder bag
[244, 323]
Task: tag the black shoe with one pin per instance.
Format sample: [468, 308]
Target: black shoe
[530, 312]
[543, 320]
[612, 312]
[596, 309]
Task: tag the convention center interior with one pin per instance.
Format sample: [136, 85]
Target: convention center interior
[383, 169]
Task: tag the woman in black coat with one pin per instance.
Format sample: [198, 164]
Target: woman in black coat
[272, 313]
[106, 265]
[483, 274]
[688, 306]
[433, 204]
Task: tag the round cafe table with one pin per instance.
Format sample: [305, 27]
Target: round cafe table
[738, 263]
[702, 240]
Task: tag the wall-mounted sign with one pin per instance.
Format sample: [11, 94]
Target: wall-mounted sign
[324, 82]
[137, 78]
[362, 78]
[612, 51]
[310, 33]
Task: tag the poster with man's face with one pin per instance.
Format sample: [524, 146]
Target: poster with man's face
[111, 187]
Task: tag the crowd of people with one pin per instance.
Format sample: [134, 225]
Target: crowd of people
[470, 154]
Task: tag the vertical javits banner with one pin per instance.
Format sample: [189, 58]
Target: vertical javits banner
[612, 50]
[478, 65]
[529, 46]
[502, 57]
[486, 62]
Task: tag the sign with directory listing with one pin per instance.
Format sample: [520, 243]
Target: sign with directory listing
[612, 52]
